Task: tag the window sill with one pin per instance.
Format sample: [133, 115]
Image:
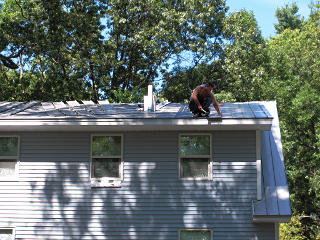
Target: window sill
[98, 183]
[196, 179]
[9, 179]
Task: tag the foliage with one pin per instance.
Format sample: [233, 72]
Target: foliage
[288, 18]
[293, 80]
[296, 229]
[244, 56]
[225, 96]
[292, 230]
[56, 42]
[239, 68]
[144, 35]
[90, 49]
[127, 96]
[315, 11]
[178, 84]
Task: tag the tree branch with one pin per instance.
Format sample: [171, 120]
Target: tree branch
[17, 54]
[21, 10]
[8, 62]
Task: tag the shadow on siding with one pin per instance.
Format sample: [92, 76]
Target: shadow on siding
[153, 203]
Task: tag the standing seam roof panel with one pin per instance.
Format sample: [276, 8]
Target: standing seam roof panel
[276, 199]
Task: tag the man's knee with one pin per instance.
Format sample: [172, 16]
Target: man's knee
[192, 105]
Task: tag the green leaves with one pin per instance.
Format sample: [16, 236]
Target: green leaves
[294, 82]
[91, 49]
[178, 84]
[244, 56]
[288, 18]
[88, 49]
[146, 35]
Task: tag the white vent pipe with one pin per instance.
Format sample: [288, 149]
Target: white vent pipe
[149, 101]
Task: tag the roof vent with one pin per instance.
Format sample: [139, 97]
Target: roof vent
[149, 101]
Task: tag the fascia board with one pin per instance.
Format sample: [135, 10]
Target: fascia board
[77, 124]
[271, 218]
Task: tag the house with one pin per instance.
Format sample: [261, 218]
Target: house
[80, 170]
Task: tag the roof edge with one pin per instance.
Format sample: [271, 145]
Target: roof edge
[134, 124]
[271, 218]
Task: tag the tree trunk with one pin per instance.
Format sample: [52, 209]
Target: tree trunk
[94, 84]
[20, 66]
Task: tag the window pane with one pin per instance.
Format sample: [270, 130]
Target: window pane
[195, 145]
[6, 234]
[194, 167]
[8, 146]
[7, 168]
[106, 146]
[195, 235]
[105, 167]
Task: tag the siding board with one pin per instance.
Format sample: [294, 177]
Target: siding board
[53, 198]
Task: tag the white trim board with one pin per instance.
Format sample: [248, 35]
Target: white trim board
[271, 218]
[74, 124]
[258, 164]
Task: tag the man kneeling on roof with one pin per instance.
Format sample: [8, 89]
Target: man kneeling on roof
[201, 99]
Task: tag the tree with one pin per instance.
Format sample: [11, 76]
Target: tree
[87, 49]
[145, 35]
[239, 67]
[288, 18]
[244, 56]
[179, 83]
[293, 80]
[47, 34]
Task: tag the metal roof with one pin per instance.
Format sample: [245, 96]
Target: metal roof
[105, 110]
[275, 203]
[89, 116]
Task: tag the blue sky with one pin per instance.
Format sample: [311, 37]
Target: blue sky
[264, 11]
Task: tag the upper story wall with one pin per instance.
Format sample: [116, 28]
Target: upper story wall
[53, 198]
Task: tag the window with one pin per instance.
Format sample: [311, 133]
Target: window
[9, 154]
[106, 160]
[6, 234]
[195, 156]
[199, 234]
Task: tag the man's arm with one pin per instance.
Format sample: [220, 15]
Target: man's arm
[216, 105]
[195, 98]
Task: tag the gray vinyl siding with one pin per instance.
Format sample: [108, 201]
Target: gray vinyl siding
[53, 198]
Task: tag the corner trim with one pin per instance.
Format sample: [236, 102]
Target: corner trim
[258, 163]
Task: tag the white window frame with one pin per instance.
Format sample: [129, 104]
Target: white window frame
[196, 229]
[196, 156]
[13, 231]
[17, 158]
[106, 181]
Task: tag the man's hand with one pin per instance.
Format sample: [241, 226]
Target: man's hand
[201, 109]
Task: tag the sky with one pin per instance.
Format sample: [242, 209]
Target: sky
[264, 11]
